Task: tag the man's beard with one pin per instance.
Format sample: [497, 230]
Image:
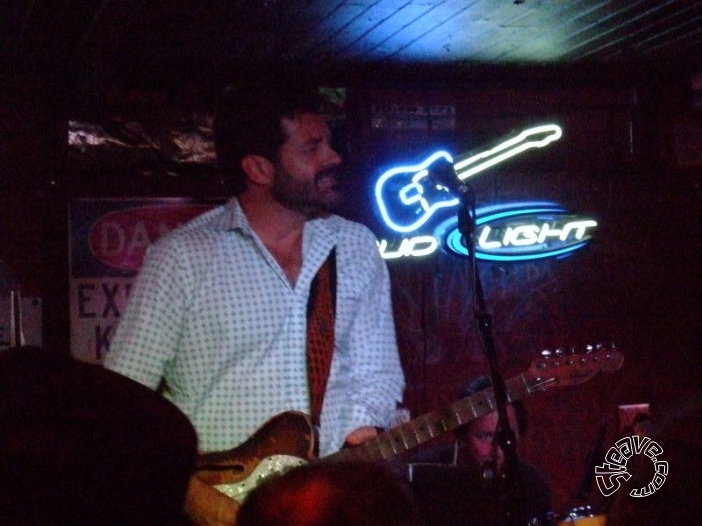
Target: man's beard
[305, 196]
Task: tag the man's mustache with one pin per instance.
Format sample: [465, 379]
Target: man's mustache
[333, 171]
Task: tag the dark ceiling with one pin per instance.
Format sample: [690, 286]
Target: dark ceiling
[84, 56]
[111, 39]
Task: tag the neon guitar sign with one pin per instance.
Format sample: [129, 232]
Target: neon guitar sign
[407, 199]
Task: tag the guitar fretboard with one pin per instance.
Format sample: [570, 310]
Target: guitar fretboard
[431, 425]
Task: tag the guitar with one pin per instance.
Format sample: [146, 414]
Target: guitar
[287, 440]
[407, 198]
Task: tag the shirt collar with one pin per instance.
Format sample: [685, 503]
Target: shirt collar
[234, 219]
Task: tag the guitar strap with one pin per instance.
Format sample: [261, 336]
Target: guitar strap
[321, 310]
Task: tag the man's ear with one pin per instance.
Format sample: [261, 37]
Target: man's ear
[258, 169]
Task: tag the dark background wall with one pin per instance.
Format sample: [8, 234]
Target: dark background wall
[629, 158]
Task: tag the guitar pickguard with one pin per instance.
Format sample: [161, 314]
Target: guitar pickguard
[274, 465]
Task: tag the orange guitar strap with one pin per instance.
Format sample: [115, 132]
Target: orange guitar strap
[320, 332]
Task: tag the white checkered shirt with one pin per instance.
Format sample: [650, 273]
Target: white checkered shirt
[213, 314]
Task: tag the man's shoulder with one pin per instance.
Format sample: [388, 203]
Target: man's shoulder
[209, 224]
[217, 219]
[348, 230]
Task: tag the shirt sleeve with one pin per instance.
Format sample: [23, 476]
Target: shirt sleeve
[376, 371]
[148, 333]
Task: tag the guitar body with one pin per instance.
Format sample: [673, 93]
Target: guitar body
[285, 441]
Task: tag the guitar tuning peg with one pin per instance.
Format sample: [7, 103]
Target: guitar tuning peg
[599, 347]
[559, 352]
[573, 350]
[546, 353]
[589, 349]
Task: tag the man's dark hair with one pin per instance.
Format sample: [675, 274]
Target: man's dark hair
[249, 121]
[485, 382]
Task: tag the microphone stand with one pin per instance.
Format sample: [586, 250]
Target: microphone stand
[511, 488]
[10, 282]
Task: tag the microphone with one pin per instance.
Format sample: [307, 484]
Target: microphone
[489, 470]
[442, 173]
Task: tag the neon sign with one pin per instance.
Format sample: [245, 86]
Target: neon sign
[536, 137]
[417, 246]
[512, 232]
[407, 200]
[518, 232]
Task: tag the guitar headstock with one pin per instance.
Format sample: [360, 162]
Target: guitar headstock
[571, 367]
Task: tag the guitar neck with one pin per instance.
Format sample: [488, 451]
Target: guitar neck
[431, 425]
[468, 165]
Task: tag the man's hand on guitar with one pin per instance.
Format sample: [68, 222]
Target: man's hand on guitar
[360, 435]
[206, 506]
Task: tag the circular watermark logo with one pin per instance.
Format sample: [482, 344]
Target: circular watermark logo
[609, 476]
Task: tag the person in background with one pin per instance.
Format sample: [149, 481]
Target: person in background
[331, 494]
[83, 446]
[470, 495]
[270, 302]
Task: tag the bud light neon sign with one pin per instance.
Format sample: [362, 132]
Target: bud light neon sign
[407, 199]
[521, 231]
